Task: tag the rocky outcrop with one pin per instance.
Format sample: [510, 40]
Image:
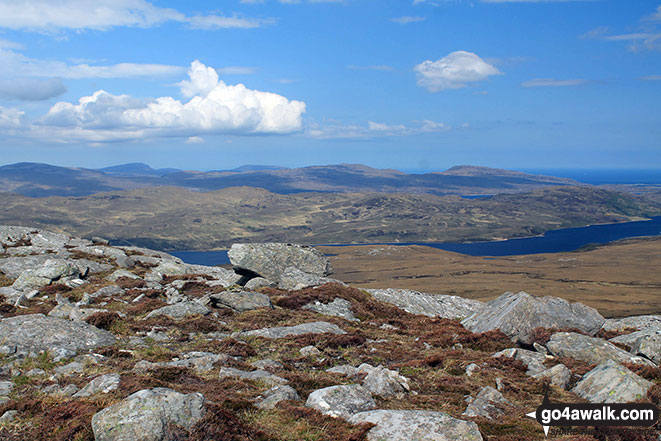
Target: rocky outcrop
[337, 308]
[341, 401]
[610, 382]
[590, 349]
[271, 260]
[286, 331]
[558, 375]
[418, 425]
[294, 279]
[241, 301]
[432, 305]
[648, 346]
[639, 322]
[147, 415]
[269, 399]
[257, 375]
[533, 360]
[518, 314]
[101, 384]
[27, 335]
[489, 403]
[180, 310]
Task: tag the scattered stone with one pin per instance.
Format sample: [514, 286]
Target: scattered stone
[559, 375]
[649, 346]
[201, 362]
[309, 351]
[384, 382]
[611, 382]
[108, 291]
[286, 331]
[180, 310]
[241, 301]
[51, 270]
[337, 308]
[8, 416]
[293, 279]
[102, 384]
[517, 315]
[539, 348]
[259, 282]
[590, 349]
[267, 364]
[122, 273]
[533, 360]
[471, 368]
[489, 403]
[27, 335]
[341, 401]
[269, 399]
[431, 305]
[270, 260]
[147, 414]
[345, 369]
[258, 375]
[6, 388]
[75, 367]
[639, 322]
[418, 425]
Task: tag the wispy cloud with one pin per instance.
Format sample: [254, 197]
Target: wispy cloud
[50, 17]
[647, 37]
[337, 130]
[407, 19]
[454, 71]
[651, 78]
[550, 82]
[28, 89]
[236, 70]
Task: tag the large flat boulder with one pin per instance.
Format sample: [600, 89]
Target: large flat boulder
[270, 260]
[489, 403]
[147, 415]
[639, 322]
[517, 315]
[590, 349]
[649, 346]
[27, 335]
[293, 279]
[286, 331]
[611, 383]
[432, 305]
[416, 425]
[241, 301]
[341, 401]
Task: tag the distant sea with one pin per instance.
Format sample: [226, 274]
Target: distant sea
[602, 176]
[555, 241]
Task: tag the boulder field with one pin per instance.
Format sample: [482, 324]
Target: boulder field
[109, 343]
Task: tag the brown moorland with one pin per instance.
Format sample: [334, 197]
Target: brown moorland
[619, 279]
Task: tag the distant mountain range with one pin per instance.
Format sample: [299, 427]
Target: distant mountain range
[43, 180]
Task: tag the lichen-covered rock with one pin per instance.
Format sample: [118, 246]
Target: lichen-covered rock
[590, 349]
[649, 346]
[640, 322]
[259, 282]
[102, 384]
[270, 260]
[341, 401]
[51, 270]
[432, 305]
[488, 403]
[172, 267]
[180, 310]
[416, 425]
[558, 375]
[384, 382]
[611, 382]
[517, 315]
[270, 398]
[241, 301]
[122, 273]
[28, 334]
[337, 308]
[286, 331]
[146, 415]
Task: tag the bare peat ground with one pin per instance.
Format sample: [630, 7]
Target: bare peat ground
[620, 279]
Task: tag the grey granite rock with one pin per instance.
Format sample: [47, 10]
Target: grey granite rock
[558, 375]
[101, 384]
[432, 305]
[269, 399]
[590, 349]
[533, 360]
[259, 282]
[258, 375]
[147, 414]
[649, 346]
[384, 383]
[293, 279]
[180, 310]
[610, 382]
[640, 322]
[337, 308]
[488, 403]
[517, 315]
[286, 331]
[241, 301]
[28, 334]
[341, 401]
[270, 260]
[416, 425]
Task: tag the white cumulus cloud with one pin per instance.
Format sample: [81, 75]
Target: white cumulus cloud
[213, 107]
[453, 71]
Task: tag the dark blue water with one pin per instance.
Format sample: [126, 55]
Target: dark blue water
[604, 176]
[568, 239]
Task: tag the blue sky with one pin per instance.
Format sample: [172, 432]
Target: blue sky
[407, 84]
